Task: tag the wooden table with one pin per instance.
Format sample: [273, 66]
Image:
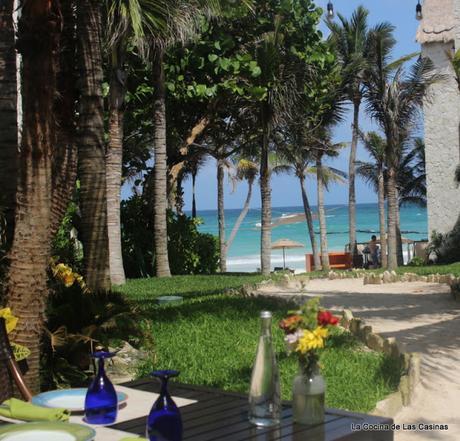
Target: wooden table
[222, 416]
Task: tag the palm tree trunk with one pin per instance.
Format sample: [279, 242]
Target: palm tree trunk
[242, 215]
[194, 194]
[114, 161]
[179, 200]
[221, 216]
[398, 232]
[91, 149]
[27, 291]
[351, 178]
[65, 150]
[322, 216]
[392, 219]
[311, 229]
[8, 117]
[160, 172]
[383, 240]
[265, 195]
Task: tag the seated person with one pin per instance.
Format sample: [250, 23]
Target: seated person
[374, 252]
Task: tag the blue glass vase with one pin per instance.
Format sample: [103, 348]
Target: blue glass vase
[164, 422]
[101, 402]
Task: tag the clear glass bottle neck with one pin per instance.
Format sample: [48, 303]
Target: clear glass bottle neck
[266, 326]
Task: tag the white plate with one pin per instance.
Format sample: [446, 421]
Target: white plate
[71, 399]
[46, 431]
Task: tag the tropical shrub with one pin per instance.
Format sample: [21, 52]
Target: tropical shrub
[446, 247]
[78, 321]
[190, 252]
[417, 261]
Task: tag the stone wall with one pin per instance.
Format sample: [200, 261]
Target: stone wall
[442, 119]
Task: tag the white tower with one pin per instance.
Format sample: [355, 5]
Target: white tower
[439, 35]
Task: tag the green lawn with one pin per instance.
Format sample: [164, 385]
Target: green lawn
[212, 337]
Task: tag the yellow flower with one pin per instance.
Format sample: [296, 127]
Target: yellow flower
[68, 279]
[312, 340]
[11, 320]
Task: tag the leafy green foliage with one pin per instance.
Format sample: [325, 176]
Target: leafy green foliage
[65, 247]
[190, 252]
[417, 261]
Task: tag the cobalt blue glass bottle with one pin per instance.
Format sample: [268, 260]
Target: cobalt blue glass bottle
[164, 422]
[101, 402]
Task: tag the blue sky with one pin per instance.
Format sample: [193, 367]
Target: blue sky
[285, 189]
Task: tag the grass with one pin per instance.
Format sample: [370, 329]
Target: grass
[212, 338]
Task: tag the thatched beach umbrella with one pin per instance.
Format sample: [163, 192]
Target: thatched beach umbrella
[283, 244]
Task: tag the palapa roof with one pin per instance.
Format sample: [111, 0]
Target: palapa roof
[438, 23]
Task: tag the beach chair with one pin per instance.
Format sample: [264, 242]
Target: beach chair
[10, 372]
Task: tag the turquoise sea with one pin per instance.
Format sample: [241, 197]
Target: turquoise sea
[244, 254]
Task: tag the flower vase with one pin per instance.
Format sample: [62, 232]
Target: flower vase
[308, 394]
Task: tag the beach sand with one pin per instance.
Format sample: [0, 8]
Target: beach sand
[424, 318]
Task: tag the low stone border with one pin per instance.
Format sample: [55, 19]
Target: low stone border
[391, 405]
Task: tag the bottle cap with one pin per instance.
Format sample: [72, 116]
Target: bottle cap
[266, 314]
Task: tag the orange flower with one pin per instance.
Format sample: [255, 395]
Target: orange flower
[289, 324]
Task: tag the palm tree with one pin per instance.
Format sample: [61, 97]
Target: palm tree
[394, 101]
[374, 174]
[179, 20]
[246, 170]
[38, 41]
[324, 177]
[8, 117]
[91, 149]
[455, 62]
[350, 38]
[297, 160]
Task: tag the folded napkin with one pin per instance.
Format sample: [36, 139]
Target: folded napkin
[133, 438]
[20, 410]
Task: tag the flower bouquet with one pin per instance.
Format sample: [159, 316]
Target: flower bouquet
[306, 332]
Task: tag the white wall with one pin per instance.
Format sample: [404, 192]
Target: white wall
[442, 138]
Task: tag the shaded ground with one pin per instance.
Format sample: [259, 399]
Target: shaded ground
[424, 318]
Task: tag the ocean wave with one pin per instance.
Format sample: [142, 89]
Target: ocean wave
[255, 260]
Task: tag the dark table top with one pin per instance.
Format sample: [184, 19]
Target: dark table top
[222, 416]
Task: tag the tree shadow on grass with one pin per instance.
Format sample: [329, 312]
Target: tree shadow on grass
[219, 305]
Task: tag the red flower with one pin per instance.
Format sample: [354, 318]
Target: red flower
[290, 323]
[326, 318]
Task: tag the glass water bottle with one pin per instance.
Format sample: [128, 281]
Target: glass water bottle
[264, 395]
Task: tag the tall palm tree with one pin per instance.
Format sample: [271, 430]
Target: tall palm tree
[128, 24]
[38, 41]
[350, 38]
[394, 101]
[324, 177]
[91, 148]
[179, 19]
[374, 174]
[297, 160]
[8, 117]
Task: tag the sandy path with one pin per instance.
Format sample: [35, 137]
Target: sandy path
[424, 318]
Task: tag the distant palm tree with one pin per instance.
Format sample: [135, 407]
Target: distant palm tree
[351, 39]
[374, 174]
[296, 160]
[324, 177]
[455, 62]
[394, 101]
[246, 170]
